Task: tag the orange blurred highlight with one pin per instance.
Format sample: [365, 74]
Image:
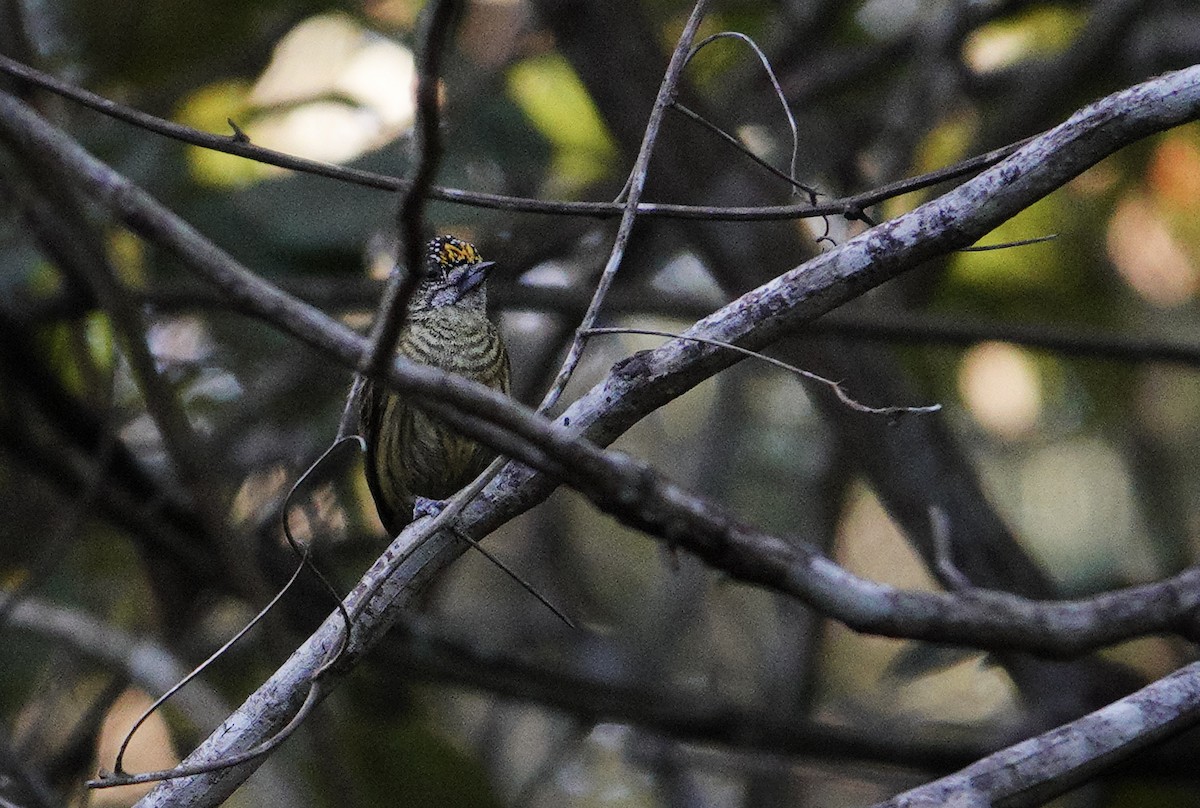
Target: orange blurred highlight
[1174, 172]
[1146, 254]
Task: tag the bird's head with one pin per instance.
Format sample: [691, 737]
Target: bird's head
[454, 275]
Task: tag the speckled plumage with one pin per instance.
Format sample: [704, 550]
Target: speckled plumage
[411, 454]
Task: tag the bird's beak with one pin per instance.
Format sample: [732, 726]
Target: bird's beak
[474, 276]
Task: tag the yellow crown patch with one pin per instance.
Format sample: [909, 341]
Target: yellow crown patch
[447, 252]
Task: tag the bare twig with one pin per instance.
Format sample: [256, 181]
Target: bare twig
[850, 205]
[436, 32]
[120, 777]
[1025, 242]
[787, 110]
[837, 388]
[635, 185]
[528, 587]
[743, 149]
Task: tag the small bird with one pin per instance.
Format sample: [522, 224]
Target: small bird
[413, 459]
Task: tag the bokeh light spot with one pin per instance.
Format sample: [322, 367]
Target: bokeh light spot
[1000, 387]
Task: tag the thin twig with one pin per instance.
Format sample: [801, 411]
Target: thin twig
[1025, 242]
[842, 395]
[787, 110]
[112, 780]
[120, 777]
[745, 150]
[636, 184]
[434, 38]
[850, 205]
[528, 587]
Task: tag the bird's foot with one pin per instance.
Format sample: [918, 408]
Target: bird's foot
[424, 506]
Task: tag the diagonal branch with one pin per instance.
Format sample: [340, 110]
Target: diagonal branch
[1034, 771]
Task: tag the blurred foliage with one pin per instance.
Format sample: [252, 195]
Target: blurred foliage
[547, 90]
[1094, 464]
[1042, 30]
[144, 45]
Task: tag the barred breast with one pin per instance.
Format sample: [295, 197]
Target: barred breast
[417, 454]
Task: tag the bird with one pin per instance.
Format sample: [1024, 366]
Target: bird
[413, 459]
